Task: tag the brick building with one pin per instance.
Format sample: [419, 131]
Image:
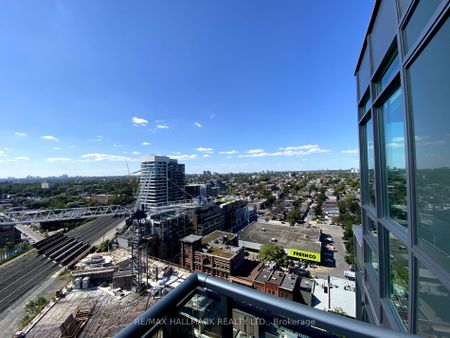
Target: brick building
[217, 253]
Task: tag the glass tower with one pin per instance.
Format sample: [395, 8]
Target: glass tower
[403, 91]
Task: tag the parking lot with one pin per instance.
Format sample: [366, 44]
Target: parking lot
[336, 233]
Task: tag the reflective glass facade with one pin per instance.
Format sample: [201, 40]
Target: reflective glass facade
[395, 161]
[404, 129]
[429, 87]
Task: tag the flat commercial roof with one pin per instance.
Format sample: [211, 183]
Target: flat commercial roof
[273, 277]
[289, 282]
[217, 235]
[191, 239]
[289, 237]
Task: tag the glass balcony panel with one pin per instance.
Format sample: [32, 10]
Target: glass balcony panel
[372, 259]
[399, 277]
[370, 163]
[433, 317]
[372, 227]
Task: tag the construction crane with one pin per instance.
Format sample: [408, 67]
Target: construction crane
[139, 251]
[138, 222]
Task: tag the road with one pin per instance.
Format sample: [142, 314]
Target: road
[29, 232]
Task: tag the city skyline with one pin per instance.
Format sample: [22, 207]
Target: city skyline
[229, 87]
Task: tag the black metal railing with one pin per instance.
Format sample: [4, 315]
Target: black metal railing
[204, 305]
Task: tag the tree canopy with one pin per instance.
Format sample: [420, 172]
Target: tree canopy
[272, 252]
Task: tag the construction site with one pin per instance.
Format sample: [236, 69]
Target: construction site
[99, 301]
[112, 281]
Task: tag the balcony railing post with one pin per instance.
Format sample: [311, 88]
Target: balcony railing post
[226, 314]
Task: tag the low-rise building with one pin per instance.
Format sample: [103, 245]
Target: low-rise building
[217, 253]
[170, 227]
[206, 219]
[236, 214]
[278, 283]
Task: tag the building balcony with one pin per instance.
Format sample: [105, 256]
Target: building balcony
[205, 306]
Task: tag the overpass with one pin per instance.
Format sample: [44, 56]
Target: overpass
[37, 216]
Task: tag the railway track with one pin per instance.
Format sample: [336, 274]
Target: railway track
[30, 270]
[92, 231]
[24, 277]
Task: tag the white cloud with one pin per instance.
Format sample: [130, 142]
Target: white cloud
[255, 151]
[395, 145]
[97, 139]
[303, 147]
[432, 142]
[49, 138]
[139, 122]
[15, 159]
[350, 151]
[105, 157]
[21, 158]
[21, 134]
[205, 150]
[185, 157]
[136, 153]
[162, 126]
[198, 124]
[399, 139]
[115, 146]
[206, 155]
[145, 143]
[287, 151]
[229, 152]
[56, 148]
[58, 159]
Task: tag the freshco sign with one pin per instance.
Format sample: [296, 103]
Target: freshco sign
[310, 256]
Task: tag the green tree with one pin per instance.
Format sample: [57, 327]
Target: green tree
[272, 252]
[103, 246]
[293, 216]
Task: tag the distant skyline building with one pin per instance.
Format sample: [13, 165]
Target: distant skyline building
[162, 180]
[403, 248]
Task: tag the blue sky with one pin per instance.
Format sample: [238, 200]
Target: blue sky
[86, 86]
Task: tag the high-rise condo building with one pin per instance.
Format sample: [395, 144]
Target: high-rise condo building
[403, 90]
[162, 181]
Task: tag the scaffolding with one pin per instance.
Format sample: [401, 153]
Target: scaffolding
[139, 251]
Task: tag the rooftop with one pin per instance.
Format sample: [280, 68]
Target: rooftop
[190, 239]
[269, 276]
[289, 282]
[295, 237]
[218, 235]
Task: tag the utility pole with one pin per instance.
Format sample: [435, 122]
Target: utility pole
[329, 293]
